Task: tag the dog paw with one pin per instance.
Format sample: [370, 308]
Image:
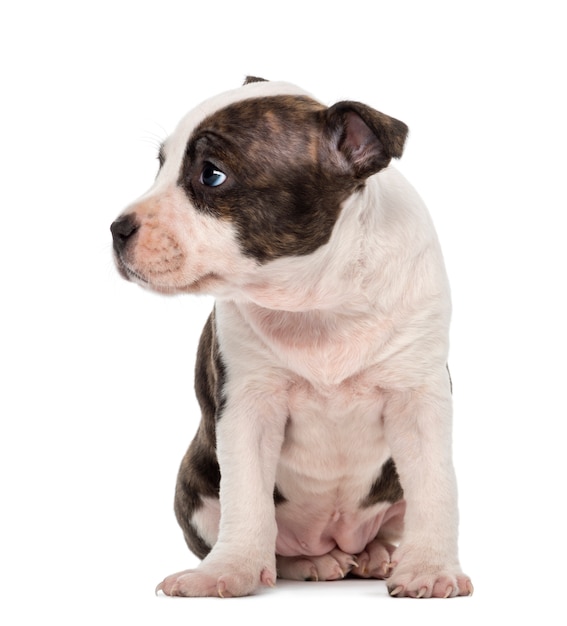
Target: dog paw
[375, 560]
[218, 581]
[439, 584]
[426, 580]
[332, 566]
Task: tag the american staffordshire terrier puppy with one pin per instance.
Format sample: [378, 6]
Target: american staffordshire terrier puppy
[324, 447]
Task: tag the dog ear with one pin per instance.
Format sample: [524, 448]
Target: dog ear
[254, 79]
[365, 140]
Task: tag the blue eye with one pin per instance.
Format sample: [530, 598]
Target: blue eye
[211, 176]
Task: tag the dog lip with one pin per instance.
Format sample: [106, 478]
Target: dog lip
[199, 285]
[122, 269]
[138, 277]
[193, 287]
[126, 271]
[130, 274]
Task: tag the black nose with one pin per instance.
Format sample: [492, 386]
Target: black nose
[122, 230]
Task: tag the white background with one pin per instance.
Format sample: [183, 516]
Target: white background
[96, 397]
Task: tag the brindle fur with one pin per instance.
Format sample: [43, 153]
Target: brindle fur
[256, 143]
[199, 474]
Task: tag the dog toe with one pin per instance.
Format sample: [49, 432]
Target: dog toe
[332, 566]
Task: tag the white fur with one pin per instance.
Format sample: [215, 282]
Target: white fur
[373, 384]
[347, 349]
[174, 146]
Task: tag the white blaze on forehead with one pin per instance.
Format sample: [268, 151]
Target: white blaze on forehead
[175, 145]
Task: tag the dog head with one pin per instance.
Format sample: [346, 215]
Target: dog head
[252, 176]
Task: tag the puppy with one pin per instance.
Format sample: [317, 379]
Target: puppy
[325, 441]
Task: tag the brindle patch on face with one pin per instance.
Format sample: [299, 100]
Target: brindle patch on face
[281, 194]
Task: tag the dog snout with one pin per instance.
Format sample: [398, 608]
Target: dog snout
[123, 230]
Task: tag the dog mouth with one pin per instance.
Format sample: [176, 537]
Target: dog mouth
[153, 283]
[127, 272]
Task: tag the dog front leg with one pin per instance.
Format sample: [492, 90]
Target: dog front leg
[249, 436]
[418, 430]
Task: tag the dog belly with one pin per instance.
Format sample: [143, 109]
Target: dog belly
[333, 452]
[314, 532]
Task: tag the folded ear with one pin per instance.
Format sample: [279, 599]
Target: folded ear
[365, 140]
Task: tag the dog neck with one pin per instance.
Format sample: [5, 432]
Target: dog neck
[339, 277]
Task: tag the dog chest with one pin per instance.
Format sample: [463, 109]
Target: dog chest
[334, 442]
[333, 451]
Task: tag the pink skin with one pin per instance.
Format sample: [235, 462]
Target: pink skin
[195, 583]
[377, 559]
[331, 563]
[309, 535]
